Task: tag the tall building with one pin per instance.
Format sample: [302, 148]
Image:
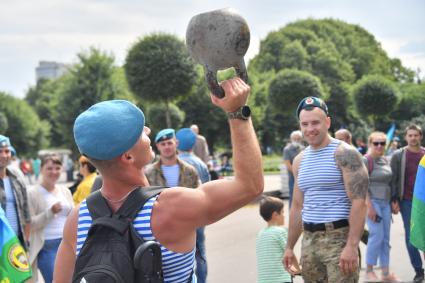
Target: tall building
[50, 70]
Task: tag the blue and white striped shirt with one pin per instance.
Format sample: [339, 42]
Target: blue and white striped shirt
[320, 179]
[171, 174]
[177, 267]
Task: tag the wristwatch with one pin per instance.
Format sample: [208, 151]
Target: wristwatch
[243, 113]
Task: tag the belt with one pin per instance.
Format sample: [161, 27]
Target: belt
[312, 227]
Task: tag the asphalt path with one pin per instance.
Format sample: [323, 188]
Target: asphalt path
[230, 243]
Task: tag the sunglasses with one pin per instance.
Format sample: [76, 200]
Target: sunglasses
[379, 143]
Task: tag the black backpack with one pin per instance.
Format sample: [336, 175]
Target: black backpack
[113, 251]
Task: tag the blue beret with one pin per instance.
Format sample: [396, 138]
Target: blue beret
[4, 141]
[310, 102]
[164, 134]
[12, 150]
[186, 138]
[108, 129]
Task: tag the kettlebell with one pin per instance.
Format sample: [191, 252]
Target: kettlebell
[218, 40]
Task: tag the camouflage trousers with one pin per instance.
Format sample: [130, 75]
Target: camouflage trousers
[320, 253]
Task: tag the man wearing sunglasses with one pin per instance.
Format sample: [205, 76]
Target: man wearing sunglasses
[329, 201]
[404, 165]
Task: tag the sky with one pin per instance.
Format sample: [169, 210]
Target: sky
[57, 30]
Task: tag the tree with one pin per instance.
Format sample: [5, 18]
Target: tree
[4, 124]
[159, 69]
[93, 79]
[27, 133]
[412, 102]
[375, 97]
[290, 86]
[155, 117]
[199, 110]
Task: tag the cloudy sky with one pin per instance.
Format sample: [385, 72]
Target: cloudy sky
[56, 30]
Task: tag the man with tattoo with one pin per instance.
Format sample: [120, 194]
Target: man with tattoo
[329, 201]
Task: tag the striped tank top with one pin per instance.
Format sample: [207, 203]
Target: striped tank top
[320, 179]
[177, 267]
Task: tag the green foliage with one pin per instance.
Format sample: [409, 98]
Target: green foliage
[159, 68]
[272, 163]
[155, 117]
[44, 98]
[375, 97]
[412, 102]
[212, 121]
[294, 56]
[26, 132]
[4, 124]
[289, 86]
[92, 79]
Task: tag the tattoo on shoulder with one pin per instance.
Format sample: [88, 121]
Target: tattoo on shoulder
[357, 181]
[349, 158]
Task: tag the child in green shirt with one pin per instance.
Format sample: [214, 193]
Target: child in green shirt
[271, 243]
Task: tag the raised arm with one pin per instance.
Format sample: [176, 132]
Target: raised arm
[356, 183]
[178, 212]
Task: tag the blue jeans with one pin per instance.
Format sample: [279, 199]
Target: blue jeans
[46, 259]
[414, 255]
[378, 245]
[201, 259]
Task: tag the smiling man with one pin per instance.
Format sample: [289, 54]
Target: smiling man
[329, 201]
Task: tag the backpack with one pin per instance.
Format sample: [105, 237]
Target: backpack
[113, 251]
[369, 163]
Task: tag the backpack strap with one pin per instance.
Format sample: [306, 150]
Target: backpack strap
[97, 205]
[130, 208]
[369, 163]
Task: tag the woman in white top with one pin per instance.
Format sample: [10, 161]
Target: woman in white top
[50, 204]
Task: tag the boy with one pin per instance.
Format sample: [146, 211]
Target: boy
[271, 242]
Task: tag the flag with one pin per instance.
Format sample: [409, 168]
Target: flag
[390, 134]
[417, 224]
[14, 264]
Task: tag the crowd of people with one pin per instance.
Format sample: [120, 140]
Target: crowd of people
[339, 187]
[335, 189]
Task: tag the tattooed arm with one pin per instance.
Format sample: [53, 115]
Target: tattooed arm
[356, 182]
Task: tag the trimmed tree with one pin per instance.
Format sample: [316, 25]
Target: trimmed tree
[375, 97]
[159, 69]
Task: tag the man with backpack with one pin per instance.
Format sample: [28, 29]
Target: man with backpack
[113, 136]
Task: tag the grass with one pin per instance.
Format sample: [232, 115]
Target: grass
[272, 163]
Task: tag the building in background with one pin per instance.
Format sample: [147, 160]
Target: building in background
[50, 70]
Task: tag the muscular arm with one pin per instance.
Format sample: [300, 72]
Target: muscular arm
[65, 259]
[178, 212]
[356, 183]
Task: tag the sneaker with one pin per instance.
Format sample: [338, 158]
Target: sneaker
[371, 277]
[390, 278]
[419, 277]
